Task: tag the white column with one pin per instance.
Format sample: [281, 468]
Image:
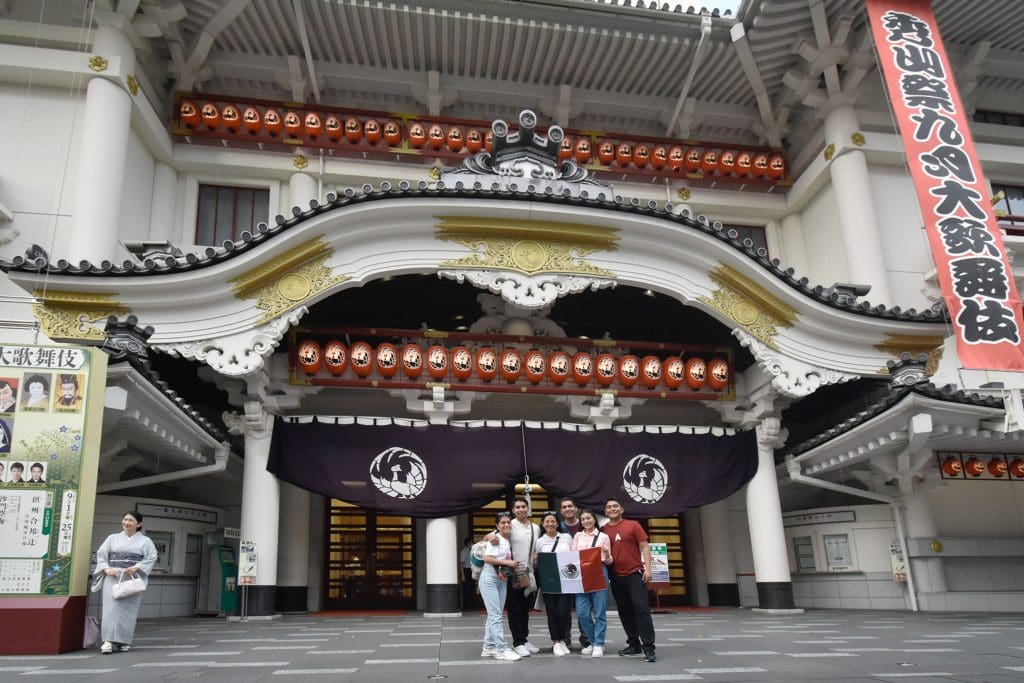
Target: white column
[865, 258]
[794, 246]
[293, 549]
[719, 562]
[764, 516]
[301, 188]
[442, 541]
[260, 514]
[161, 213]
[99, 184]
[929, 573]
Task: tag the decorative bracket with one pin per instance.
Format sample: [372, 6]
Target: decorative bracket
[790, 377]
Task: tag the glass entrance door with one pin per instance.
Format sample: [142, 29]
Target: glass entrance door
[371, 559]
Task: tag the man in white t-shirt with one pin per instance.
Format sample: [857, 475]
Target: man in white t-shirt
[520, 595]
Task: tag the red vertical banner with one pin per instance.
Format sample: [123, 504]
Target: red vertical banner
[970, 257]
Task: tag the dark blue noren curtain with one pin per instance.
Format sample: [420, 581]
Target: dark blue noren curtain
[439, 471]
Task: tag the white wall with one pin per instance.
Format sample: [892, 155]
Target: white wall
[979, 509]
[823, 239]
[138, 192]
[869, 537]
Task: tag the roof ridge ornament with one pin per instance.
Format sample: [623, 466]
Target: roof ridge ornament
[909, 370]
[525, 160]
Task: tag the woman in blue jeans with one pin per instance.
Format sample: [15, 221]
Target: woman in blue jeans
[493, 584]
[591, 608]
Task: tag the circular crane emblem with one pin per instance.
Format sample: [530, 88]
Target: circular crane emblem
[645, 479]
[398, 473]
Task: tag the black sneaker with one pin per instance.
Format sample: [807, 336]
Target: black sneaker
[650, 656]
[631, 651]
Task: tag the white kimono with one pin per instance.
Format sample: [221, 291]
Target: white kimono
[120, 551]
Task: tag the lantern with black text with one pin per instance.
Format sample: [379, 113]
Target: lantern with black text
[673, 372]
[511, 365]
[474, 140]
[605, 369]
[605, 152]
[709, 161]
[535, 365]
[624, 153]
[1017, 468]
[558, 367]
[335, 358]
[997, 467]
[582, 368]
[760, 166]
[436, 136]
[188, 114]
[676, 159]
[565, 149]
[372, 131]
[650, 371]
[696, 373]
[272, 122]
[456, 139]
[952, 467]
[387, 359]
[333, 128]
[313, 126]
[727, 162]
[412, 360]
[417, 135]
[486, 364]
[292, 124]
[692, 161]
[744, 163]
[489, 141]
[974, 467]
[629, 371]
[582, 148]
[232, 119]
[211, 116]
[353, 130]
[252, 120]
[776, 166]
[659, 157]
[361, 359]
[392, 133]
[462, 363]
[437, 361]
[641, 155]
[309, 357]
[718, 374]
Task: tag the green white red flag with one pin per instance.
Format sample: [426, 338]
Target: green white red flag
[573, 571]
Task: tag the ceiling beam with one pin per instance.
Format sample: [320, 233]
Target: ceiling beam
[772, 127]
[228, 12]
[300, 20]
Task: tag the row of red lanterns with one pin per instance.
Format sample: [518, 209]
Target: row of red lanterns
[487, 363]
[315, 127]
[954, 466]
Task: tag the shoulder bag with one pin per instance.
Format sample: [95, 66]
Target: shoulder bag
[126, 589]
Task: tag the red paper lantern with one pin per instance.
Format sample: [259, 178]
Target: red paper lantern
[727, 162]
[335, 357]
[372, 131]
[629, 371]
[486, 364]
[392, 133]
[353, 130]
[232, 119]
[641, 155]
[760, 166]
[435, 137]
[361, 358]
[605, 369]
[489, 141]
[292, 124]
[624, 153]
[456, 139]
[952, 467]
[437, 361]
[974, 467]
[188, 114]
[692, 161]
[744, 164]
[333, 128]
[211, 116]
[709, 161]
[309, 357]
[583, 151]
[697, 373]
[417, 135]
[673, 371]
[474, 140]
[718, 374]
[511, 365]
[558, 367]
[997, 467]
[582, 368]
[272, 122]
[776, 166]
[659, 157]
[535, 365]
[1017, 468]
[565, 149]
[462, 363]
[412, 360]
[605, 152]
[676, 159]
[252, 120]
[387, 359]
[650, 371]
[313, 126]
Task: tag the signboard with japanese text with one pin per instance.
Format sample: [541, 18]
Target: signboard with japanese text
[970, 258]
[51, 404]
[247, 562]
[659, 563]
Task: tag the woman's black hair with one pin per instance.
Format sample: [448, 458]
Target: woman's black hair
[136, 514]
[588, 511]
[503, 513]
[550, 513]
[37, 378]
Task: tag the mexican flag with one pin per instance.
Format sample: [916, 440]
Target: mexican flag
[574, 571]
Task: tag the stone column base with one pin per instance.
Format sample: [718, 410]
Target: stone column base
[260, 600]
[775, 595]
[292, 599]
[723, 595]
[442, 598]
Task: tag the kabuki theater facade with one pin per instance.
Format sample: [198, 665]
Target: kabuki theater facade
[320, 286]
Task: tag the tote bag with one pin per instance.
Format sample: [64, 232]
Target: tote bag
[126, 589]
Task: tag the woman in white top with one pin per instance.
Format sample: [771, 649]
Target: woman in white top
[493, 584]
[557, 606]
[591, 608]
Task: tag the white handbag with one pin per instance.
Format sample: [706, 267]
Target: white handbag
[126, 589]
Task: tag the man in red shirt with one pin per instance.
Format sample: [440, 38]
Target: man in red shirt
[630, 573]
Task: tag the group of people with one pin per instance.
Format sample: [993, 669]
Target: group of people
[507, 580]
[17, 474]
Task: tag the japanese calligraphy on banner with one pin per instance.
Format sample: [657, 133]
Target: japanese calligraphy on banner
[973, 270]
[51, 402]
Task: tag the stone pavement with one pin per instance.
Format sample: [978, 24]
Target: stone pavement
[700, 645]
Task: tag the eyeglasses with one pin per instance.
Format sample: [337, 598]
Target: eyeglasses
[550, 512]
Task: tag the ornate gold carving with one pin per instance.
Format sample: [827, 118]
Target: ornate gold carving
[98, 63]
[750, 305]
[683, 193]
[830, 151]
[858, 139]
[526, 246]
[73, 315]
[288, 279]
[300, 162]
[895, 344]
[133, 85]
[434, 174]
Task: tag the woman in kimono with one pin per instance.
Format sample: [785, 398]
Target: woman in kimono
[129, 553]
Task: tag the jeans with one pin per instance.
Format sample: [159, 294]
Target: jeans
[492, 590]
[591, 609]
[634, 610]
[518, 605]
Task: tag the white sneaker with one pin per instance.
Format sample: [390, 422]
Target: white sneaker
[521, 650]
[507, 656]
[531, 647]
[588, 650]
[558, 650]
[598, 651]
[488, 652]
[107, 647]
